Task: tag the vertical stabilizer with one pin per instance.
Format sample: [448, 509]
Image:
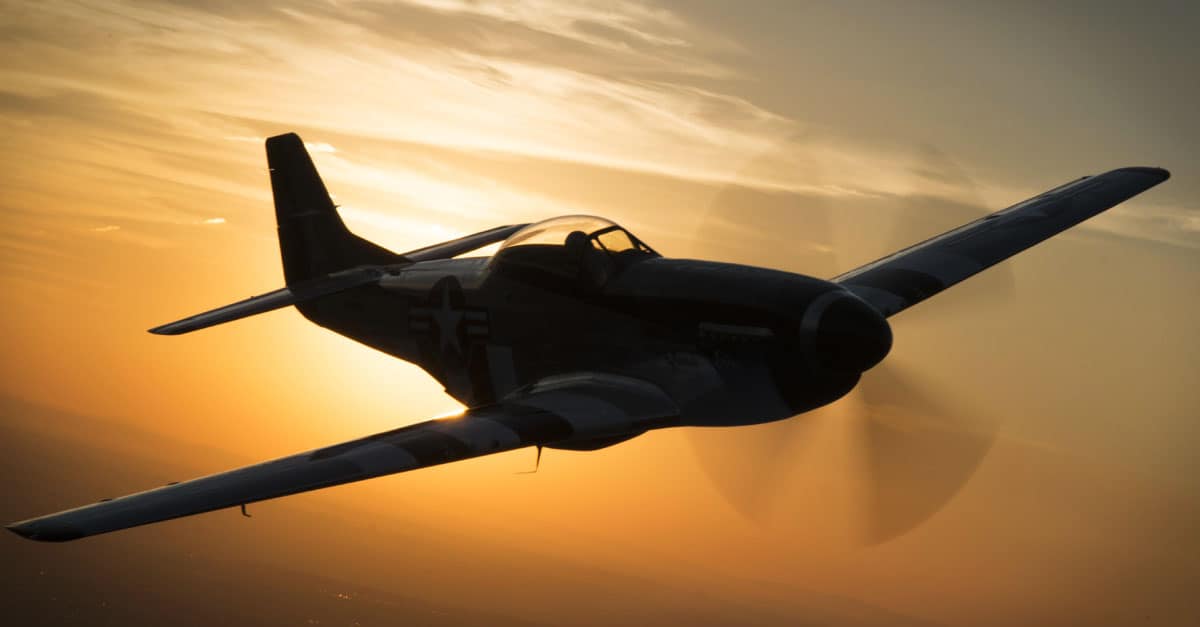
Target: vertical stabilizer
[312, 237]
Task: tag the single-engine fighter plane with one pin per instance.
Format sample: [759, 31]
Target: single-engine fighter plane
[576, 334]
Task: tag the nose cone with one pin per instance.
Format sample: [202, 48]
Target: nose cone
[851, 336]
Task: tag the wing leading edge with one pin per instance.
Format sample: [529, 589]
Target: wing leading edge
[909, 276]
[569, 408]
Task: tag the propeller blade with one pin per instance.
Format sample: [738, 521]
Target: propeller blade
[914, 453]
[917, 453]
[748, 465]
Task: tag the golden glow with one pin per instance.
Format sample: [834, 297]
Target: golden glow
[135, 192]
[450, 414]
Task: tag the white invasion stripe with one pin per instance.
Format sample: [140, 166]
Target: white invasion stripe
[477, 433]
[949, 268]
[588, 415]
[882, 300]
[382, 458]
[508, 438]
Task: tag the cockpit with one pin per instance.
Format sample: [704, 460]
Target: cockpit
[586, 250]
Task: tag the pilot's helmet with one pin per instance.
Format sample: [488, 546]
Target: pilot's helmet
[577, 243]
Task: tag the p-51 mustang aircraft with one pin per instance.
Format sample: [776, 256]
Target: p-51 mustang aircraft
[575, 334]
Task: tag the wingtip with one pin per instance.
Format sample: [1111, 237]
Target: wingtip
[173, 328]
[30, 530]
[1161, 174]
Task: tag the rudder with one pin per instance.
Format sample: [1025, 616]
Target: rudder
[313, 240]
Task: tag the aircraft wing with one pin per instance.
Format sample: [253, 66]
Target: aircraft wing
[905, 278]
[581, 407]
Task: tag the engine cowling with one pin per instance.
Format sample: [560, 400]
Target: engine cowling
[845, 334]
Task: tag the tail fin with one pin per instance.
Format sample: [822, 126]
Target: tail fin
[312, 237]
[320, 256]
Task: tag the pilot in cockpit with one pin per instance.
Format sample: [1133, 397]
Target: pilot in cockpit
[584, 250]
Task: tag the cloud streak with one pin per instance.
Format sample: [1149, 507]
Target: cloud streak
[627, 85]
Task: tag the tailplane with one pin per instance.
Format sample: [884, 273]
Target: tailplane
[321, 257]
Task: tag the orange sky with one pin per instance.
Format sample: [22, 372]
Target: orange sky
[810, 139]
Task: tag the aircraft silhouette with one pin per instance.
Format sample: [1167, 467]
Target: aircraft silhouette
[575, 334]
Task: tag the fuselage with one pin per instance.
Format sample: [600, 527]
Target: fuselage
[730, 344]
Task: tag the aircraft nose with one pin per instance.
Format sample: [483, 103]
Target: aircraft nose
[850, 335]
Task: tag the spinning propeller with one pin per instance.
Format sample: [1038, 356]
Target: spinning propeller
[912, 451]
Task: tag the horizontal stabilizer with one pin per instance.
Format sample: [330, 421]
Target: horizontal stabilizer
[290, 295]
[332, 283]
[465, 244]
[905, 278]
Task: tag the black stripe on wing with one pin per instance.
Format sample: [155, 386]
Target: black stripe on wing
[479, 432]
[909, 276]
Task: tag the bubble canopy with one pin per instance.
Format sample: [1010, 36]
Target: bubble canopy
[587, 248]
[601, 233]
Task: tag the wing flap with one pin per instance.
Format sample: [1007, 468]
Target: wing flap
[534, 416]
[909, 276]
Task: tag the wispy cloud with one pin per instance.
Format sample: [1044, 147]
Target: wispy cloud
[570, 19]
[144, 100]
[572, 95]
[1175, 225]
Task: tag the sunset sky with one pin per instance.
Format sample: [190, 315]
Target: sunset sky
[810, 137]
